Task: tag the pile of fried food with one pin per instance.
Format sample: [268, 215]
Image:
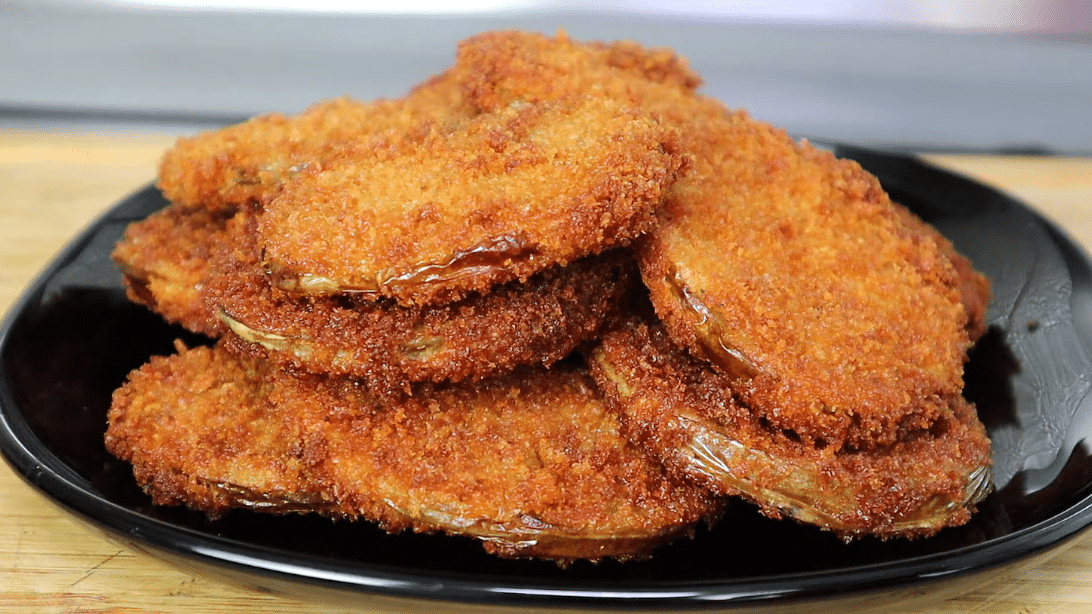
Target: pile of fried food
[554, 299]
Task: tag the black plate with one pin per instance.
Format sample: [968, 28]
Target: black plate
[73, 337]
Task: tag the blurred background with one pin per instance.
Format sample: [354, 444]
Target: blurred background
[926, 75]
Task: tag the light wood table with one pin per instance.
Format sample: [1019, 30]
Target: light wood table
[52, 185]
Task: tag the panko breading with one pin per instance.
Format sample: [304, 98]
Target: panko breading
[684, 413]
[505, 68]
[164, 259]
[836, 315]
[533, 466]
[201, 430]
[499, 197]
[246, 163]
[383, 272]
[387, 346]
[500, 68]
[975, 291]
[796, 276]
[201, 269]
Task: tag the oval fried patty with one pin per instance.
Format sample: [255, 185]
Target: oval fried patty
[499, 197]
[797, 277]
[388, 346]
[201, 268]
[246, 163]
[684, 413]
[533, 466]
[201, 430]
[500, 68]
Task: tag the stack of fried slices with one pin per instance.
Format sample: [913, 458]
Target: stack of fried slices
[429, 313]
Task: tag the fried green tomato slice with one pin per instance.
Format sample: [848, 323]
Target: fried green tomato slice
[388, 346]
[532, 466]
[683, 412]
[499, 197]
[164, 260]
[247, 162]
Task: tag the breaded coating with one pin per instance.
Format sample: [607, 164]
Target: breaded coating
[503, 67]
[975, 291]
[683, 412]
[202, 429]
[836, 314]
[502, 196]
[533, 466]
[246, 163]
[164, 259]
[388, 346]
[403, 289]
[202, 269]
[795, 275]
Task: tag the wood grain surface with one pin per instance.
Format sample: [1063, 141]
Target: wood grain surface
[52, 185]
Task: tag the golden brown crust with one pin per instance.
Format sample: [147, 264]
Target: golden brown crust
[537, 449]
[975, 290]
[201, 268]
[446, 235]
[388, 346]
[246, 163]
[164, 259]
[531, 465]
[199, 430]
[500, 68]
[499, 197]
[791, 269]
[683, 412]
[849, 326]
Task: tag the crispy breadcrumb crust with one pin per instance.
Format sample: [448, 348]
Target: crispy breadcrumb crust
[200, 268]
[845, 326]
[246, 163]
[975, 290]
[164, 260]
[683, 412]
[499, 197]
[387, 346]
[839, 317]
[200, 430]
[533, 461]
[503, 67]
[445, 235]
[532, 465]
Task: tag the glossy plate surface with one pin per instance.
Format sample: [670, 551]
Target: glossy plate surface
[73, 337]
